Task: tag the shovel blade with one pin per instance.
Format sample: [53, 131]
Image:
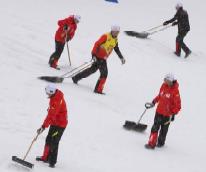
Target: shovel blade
[22, 162]
[142, 35]
[54, 79]
[130, 125]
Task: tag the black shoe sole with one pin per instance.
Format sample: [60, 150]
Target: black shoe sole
[178, 55]
[148, 146]
[51, 166]
[39, 159]
[188, 54]
[99, 93]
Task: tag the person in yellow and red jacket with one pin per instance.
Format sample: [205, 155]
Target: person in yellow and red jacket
[65, 32]
[168, 105]
[57, 120]
[101, 51]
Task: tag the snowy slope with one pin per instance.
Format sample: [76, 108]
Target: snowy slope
[94, 140]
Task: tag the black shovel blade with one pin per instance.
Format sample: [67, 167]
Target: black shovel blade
[22, 162]
[54, 79]
[130, 125]
[137, 34]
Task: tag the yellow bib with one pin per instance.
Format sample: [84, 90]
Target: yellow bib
[109, 44]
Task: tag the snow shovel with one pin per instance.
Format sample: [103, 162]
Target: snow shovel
[130, 125]
[55, 79]
[70, 74]
[145, 34]
[22, 161]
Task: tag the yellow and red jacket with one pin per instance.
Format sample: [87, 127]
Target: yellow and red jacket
[104, 46]
[57, 111]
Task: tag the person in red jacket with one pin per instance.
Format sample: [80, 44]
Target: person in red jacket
[103, 47]
[57, 120]
[168, 105]
[65, 32]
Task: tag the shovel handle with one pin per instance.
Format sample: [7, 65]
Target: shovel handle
[156, 27]
[164, 28]
[141, 116]
[85, 64]
[35, 138]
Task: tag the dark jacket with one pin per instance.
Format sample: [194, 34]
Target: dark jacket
[181, 18]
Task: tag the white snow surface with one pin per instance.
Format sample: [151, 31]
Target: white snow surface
[95, 140]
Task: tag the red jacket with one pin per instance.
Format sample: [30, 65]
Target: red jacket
[57, 111]
[60, 33]
[168, 99]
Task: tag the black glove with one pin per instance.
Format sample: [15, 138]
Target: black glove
[94, 58]
[174, 23]
[173, 117]
[149, 105]
[165, 23]
[40, 130]
[123, 60]
[65, 27]
[68, 37]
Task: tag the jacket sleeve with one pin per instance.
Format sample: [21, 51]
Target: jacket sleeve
[156, 99]
[176, 106]
[117, 50]
[97, 44]
[173, 19]
[61, 23]
[53, 110]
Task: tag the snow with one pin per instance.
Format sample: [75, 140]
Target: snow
[94, 140]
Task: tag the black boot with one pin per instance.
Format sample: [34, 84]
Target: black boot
[39, 158]
[188, 53]
[177, 54]
[148, 146]
[52, 165]
[159, 145]
[95, 91]
[75, 81]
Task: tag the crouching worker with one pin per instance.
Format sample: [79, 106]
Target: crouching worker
[65, 33]
[57, 120]
[168, 105]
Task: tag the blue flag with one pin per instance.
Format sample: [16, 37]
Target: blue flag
[115, 1]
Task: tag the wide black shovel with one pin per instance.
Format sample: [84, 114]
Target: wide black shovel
[145, 34]
[130, 125]
[54, 79]
[70, 74]
[23, 161]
